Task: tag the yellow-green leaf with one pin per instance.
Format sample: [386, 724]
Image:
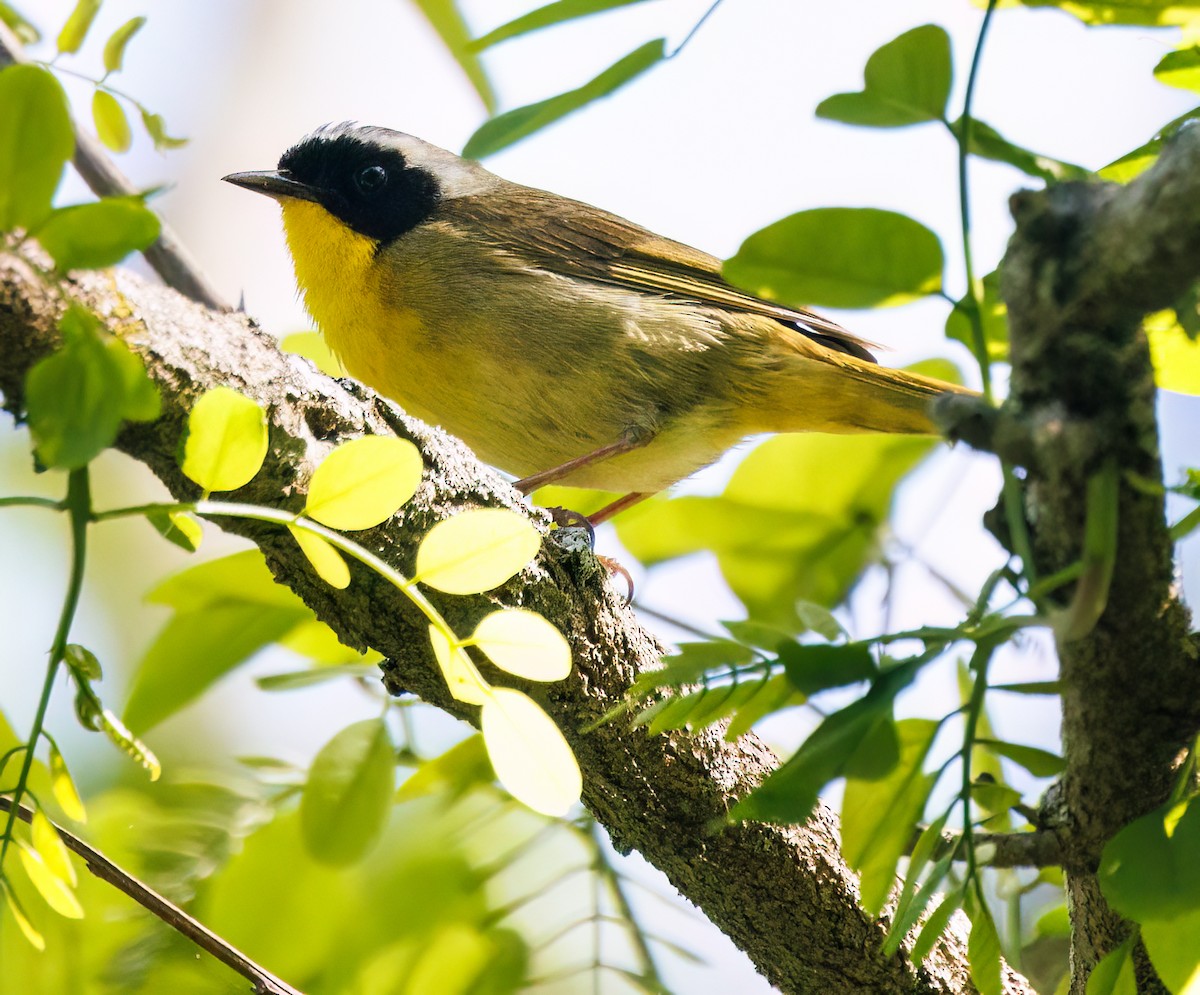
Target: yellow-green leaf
[325, 559]
[226, 440]
[63, 787]
[179, 527]
[120, 736]
[50, 846]
[524, 644]
[114, 48]
[362, 483]
[70, 38]
[461, 675]
[36, 940]
[112, 126]
[35, 144]
[1176, 358]
[529, 754]
[313, 347]
[476, 550]
[50, 886]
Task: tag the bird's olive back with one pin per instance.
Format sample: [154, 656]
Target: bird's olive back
[368, 184]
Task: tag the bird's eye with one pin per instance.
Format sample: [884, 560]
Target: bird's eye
[370, 179]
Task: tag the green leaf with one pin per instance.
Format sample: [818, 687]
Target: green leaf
[994, 797]
[197, 648]
[988, 143]
[476, 550]
[511, 126]
[1149, 874]
[523, 643]
[27, 33]
[70, 38]
[298, 680]
[1054, 922]
[934, 927]
[455, 772]
[1114, 975]
[778, 538]
[461, 675]
[32, 936]
[907, 81]
[363, 482]
[50, 847]
[994, 314]
[1137, 161]
[112, 126]
[1039, 763]
[813, 667]
[1174, 354]
[77, 397]
[691, 661]
[99, 234]
[789, 793]
[114, 48]
[544, 17]
[530, 756]
[1150, 13]
[226, 440]
[878, 816]
[844, 257]
[1180, 68]
[156, 128]
[772, 695]
[324, 558]
[983, 949]
[1029, 687]
[349, 791]
[239, 578]
[911, 903]
[1171, 944]
[446, 19]
[35, 143]
[65, 792]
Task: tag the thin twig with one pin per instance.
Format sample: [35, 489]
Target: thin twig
[1039, 848]
[264, 982]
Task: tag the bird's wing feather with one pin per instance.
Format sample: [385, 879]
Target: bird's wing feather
[577, 240]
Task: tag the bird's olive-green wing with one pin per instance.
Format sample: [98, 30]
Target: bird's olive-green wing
[575, 239]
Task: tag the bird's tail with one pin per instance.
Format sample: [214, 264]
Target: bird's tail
[841, 393]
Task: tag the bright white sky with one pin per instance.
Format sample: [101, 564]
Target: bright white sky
[706, 149]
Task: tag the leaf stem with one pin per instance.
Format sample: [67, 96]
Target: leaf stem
[22, 501]
[695, 27]
[79, 505]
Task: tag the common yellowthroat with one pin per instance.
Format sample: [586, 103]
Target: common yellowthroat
[560, 342]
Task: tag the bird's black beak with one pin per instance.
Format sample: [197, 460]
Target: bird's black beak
[274, 183]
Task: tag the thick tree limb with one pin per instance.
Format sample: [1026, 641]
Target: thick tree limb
[782, 894]
[1087, 262]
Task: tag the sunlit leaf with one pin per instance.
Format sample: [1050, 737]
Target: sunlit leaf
[1054, 922]
[511, 126]
[114, 48]
[324, 558]
[523, 643]
[907, 81]
[74, 31]
[313, 347]
[1171, 944]
[32, 936]
[910, 905]
[179, 527]
[301, 679]
[238, 578]
[1148, 874]
[58, 894]
[226, 440]
[349, 791]
[847, 257]
[529, 754]
[363, 482]
[557, 12]
[26, 32]
[461, 675]
[878, 816]
[1175, 355]
[156, 128]
[1040, 763]
[934, 927]
[35, 143]
[317, 641]
[1151, 13]
[128, 743]
[51, 848]
[476, 550]
[462, 767]
[1138, 160]
[446, 19]
[994, 318]
[102, 233]
[65, 792]
[112, 126]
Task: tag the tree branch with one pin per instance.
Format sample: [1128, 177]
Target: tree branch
[1086, 263]
[1036, 849]
[782, 894]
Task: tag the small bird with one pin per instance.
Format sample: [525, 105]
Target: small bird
[560, 342]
